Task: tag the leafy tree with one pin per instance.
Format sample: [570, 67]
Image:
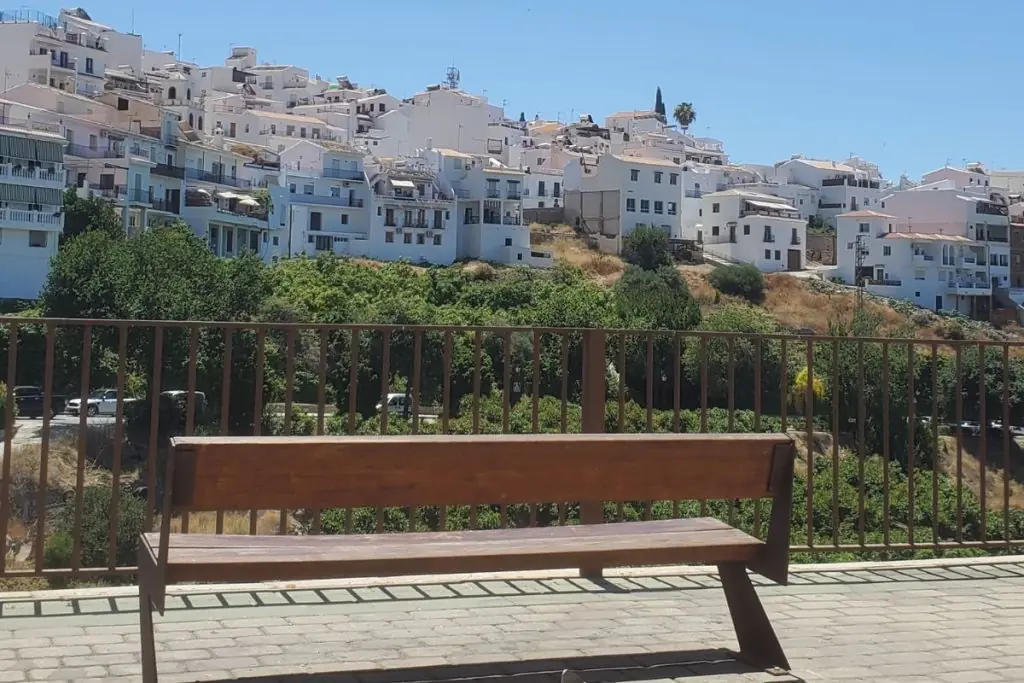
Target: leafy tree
[742, 280]
[86, 215]
[659, 104]
[98, 503]
[522, 117]
[647, 247]
[684, 115]
[655, 299]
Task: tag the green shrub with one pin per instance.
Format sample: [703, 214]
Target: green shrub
[59, 547]
[647, 247]
[95, 531]
[740, 280]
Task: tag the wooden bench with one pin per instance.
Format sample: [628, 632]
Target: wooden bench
[277, 473]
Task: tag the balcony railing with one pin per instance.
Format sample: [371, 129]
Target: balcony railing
[694, 194]
[218, 178]
[348, 202]
[885, 282]
[342, 174]
[873, 474]
[138, 196]
[511, 220]
[113, 192]
[31, 219]
[514, 195]
[829, 205]
[165, 205]
[168, 171]
[26, 172]
[493, 194]
[769, 239]
[94, 152]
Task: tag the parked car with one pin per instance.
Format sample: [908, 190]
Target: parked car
[102, 402]
[30, 402]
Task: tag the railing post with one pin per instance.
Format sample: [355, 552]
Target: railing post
[593, 390]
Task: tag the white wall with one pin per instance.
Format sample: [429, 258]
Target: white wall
[24, 269]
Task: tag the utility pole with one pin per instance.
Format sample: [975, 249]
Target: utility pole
[177, 55]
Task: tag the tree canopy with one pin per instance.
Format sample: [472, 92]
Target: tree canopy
[685, 115]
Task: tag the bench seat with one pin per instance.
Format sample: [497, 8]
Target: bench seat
[232, 558]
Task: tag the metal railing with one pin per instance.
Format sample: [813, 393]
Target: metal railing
[219, 178]
[94, 152]
[168, 171]
[904, 444]
[342, 174]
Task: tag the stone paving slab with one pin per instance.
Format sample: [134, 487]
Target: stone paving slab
[901, 623]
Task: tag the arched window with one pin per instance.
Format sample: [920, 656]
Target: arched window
[200, 123]
[172, 93]
[188, 94]
[191, 121]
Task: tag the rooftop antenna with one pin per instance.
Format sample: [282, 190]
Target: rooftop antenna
[452, 78]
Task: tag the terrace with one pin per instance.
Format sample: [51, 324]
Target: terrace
[890, 466]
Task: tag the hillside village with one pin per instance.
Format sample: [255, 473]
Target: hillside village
[265, 158]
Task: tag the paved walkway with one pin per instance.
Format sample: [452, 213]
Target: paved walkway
[920, 622]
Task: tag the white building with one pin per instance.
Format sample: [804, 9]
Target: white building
[975, 214]
[749, 227]
[69, 52]
[935, 270]
[612, 194]
[219, 203]
[323, 201]
[543, 188]
[31, 204]
[844, 188]
[489, 209]
[412, 214]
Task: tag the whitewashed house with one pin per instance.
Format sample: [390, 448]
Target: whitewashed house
[748, 227]
[936, 270]
[612, 194]
[489, 209]
[31, 205]
[844, 188]
[412, 213]
[322, 201]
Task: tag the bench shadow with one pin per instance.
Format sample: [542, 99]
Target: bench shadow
[592, 669]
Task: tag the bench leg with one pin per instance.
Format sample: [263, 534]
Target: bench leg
[148, 644]
[759, 646]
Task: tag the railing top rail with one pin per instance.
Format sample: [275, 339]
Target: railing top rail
[468, 329]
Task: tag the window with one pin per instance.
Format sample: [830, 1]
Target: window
[768, 234]
[657, 177]
[291, 188]
[715, 208]
[200, 123]
[746, 229]
[1004, 260]
[88, 65]
[315, 220]
[273, 129]
[673, 178]
[767, 254]
[247, 128]
[714, 231]
[36, 238]
[557, 191]
[630, 204]
[421, 238]
[919, 273]
[508, 241]
[407, 218]
[302, 132]
[541, 190]
[389, 237]
[645, 206]
[864, 228]
[335, 192]
[407, 238]
[659, 207]
[277, 240]
[306, 189]
[344, 219]
[324, 243]
[290, 131]
[849, 246]
[886, 251]
[671, 209]
[540, 205]
[229, 241]
[437, 240]
[634, 175]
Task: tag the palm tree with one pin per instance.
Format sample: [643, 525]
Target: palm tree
[684, 115]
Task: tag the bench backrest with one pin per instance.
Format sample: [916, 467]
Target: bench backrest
[242, 473]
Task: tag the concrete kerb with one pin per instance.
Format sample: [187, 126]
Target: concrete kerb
[622, 573]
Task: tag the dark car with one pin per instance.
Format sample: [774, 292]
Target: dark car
[30, 402]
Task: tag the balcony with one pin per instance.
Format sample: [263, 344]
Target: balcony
[970, 260]
[829, 205]
[493, 193]
[30, 220]
[84, 152]
[884, 282]
[693, 194]
[971, 287]
[769, 239]
[138, 196]
[514, 195]
[320, 200]
[511, 220]
[342, 174]
[923, 258]
[167, 171]
[794, 240]
[113, 193]
[31, 173]
[165, 205]
[218, 178]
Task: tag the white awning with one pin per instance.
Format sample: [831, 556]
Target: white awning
[199, 190]
[248, 201]
[403, 183]
[772, 206]
[228, 195]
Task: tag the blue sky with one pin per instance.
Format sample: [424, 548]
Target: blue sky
[908, 84]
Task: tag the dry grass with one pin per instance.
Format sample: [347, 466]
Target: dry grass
[970, 466]
[267, 523]
[568, 247]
